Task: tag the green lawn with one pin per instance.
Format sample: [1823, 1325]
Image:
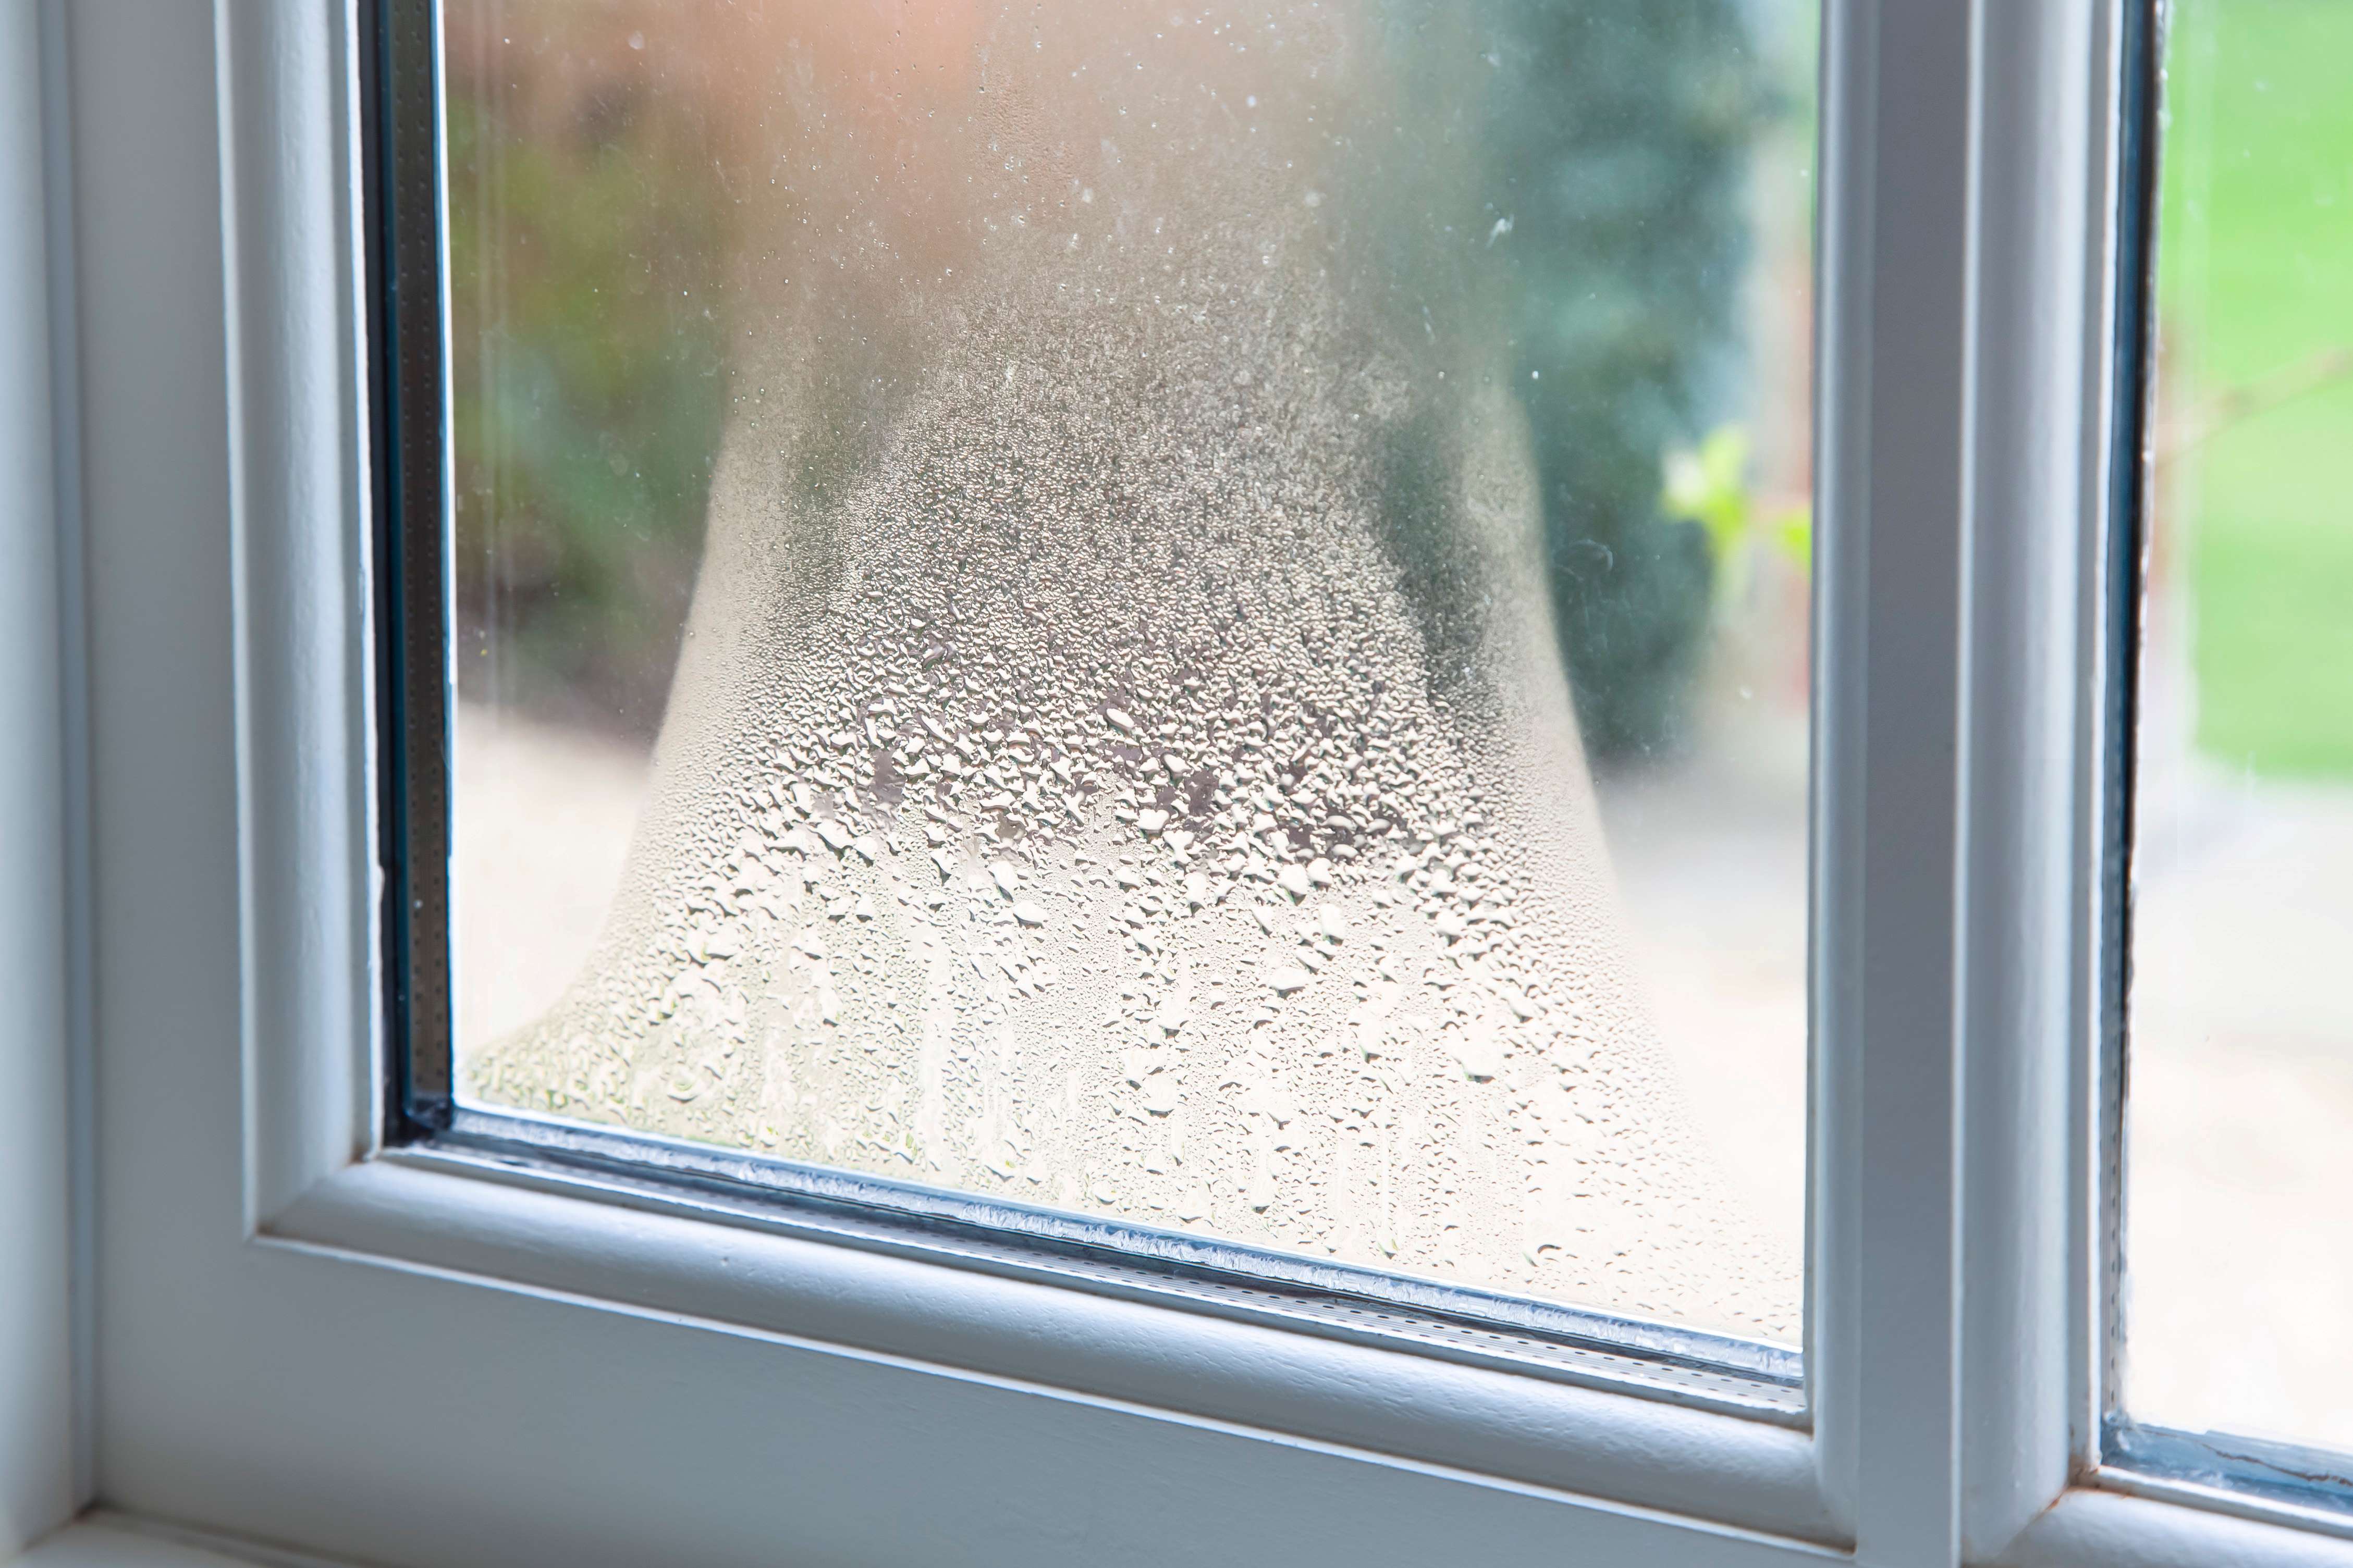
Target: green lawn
[2256, 280]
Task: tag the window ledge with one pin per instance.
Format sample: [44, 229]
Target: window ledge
[634, 1251]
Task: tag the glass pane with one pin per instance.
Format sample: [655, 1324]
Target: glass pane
[1195, 614]
[2240, 1135]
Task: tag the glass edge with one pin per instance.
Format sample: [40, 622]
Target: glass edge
[851, 1207]
[2288, 1474]
[2132, 344]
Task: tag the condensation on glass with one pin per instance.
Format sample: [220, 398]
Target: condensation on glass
[1189, 614]
[2239, 1108]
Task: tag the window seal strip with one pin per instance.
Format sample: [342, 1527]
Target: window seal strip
[2132, 340]
[400, 79]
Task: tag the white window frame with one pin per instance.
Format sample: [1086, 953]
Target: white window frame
[411, 1357]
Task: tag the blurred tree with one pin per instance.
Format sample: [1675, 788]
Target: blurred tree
[587, 246]
[1618, 141]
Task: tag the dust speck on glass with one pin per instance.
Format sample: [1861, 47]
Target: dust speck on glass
[1195, 615]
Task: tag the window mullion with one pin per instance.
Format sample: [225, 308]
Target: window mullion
[1965, 213]
[2037, 450]
[1884, 1343]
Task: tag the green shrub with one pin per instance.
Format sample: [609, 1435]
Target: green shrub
[1619, 137]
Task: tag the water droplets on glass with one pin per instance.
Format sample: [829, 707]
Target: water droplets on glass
[1155, 626]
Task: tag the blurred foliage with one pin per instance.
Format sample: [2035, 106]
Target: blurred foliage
[586, 232]
[588, 391]
[1620, 139]
[1709, 485]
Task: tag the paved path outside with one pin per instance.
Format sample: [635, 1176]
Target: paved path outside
[2240, 1113]
[544, 817]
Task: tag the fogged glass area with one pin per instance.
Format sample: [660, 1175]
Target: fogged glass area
[1190, 613]
[2239, 1133]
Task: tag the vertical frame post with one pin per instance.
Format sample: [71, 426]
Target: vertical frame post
[1968, 244]
[1897, 246]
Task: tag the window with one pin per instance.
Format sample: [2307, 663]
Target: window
[1207, 582]
[381, 1273]
[2237, 1107]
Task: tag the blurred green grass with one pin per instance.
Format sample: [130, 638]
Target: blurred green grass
[2256, 282]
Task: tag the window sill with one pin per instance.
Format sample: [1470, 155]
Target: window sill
[2084, 1529]
[636, 1252]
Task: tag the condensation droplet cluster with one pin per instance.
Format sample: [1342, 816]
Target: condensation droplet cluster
[1090, 792]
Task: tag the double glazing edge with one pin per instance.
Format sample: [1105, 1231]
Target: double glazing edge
[407, 316]
[1456, 1323]
[2124, 559]
[407, 323]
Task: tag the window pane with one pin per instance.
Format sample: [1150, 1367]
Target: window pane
[2240, 1135]
[1194, 614]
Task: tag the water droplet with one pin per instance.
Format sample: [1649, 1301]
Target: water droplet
[1479, 1048]
[1286, 977]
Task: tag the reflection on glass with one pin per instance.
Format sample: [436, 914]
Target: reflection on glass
[1219, 595]
[2240, 1105]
